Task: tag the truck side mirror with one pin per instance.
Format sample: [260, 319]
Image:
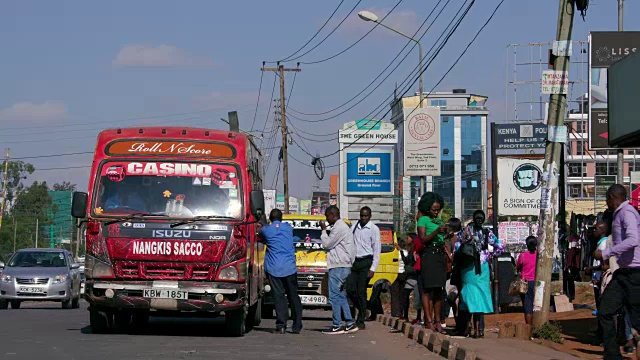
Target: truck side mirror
[79, 204]
[257, 203]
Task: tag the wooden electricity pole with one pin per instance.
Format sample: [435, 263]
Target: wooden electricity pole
[551, 171]
[4, 186]
[283, 125]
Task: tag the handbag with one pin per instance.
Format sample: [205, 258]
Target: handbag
[518, 287]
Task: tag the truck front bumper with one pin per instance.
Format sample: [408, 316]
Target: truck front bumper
[201, 296]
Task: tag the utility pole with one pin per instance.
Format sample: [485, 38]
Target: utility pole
[283, 119]
[4, 186]
[620, 151]
[37, 226]
[550, 177]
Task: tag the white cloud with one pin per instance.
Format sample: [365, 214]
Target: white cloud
[405, 21]
[161, 55]
[32, 112]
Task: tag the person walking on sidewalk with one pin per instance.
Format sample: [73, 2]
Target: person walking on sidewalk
[624, 288]
[341, 253]
[280, 266]
[366, 236]
[526, 266]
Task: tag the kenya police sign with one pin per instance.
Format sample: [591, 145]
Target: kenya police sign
[519, 182]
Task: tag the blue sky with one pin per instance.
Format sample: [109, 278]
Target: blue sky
[72, 68]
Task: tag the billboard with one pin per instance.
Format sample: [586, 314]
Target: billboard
[520, 136]
[367, 131]
[368, 173]
[421, 141]
[305, 207]
[294, 205]
[605, 49]
[624, 123]
[519, 182]
[269, 201]
[280, 202]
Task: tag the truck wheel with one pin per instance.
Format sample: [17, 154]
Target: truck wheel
[101, 321]
[4, 304]
[267, 311]
[235, 322]
[139, 320]
[121, 319]
[15, 304]
[255, 315]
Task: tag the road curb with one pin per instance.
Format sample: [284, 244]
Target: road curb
[442, 345]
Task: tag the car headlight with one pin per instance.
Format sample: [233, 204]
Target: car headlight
[5, 278]
[60, 279]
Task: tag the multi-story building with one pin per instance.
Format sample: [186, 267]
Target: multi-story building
[463, 134]
[584, 165]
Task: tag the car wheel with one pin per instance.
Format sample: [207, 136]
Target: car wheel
[101, 321]
[66, 304]
[4, 304]
[15, 304]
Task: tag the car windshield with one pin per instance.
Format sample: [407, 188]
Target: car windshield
[307, 239]
[38, 259]
[182, 190]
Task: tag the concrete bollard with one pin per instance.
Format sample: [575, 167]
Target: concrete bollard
[412, 332]
[445, 348]
[435, 342]
[379, 317]
[386, 320]
[465, 354]
[506, 330]
[423, 336]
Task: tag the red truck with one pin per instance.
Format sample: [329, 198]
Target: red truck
[171, 227]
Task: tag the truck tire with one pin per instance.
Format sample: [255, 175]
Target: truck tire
[254, 318]
[235, 322]
[101, 321]
[121, 320]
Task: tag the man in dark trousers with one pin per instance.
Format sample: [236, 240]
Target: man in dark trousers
[280, 266]
[623, 291]
[366, 236]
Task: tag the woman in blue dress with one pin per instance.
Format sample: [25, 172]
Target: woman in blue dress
[476, 278]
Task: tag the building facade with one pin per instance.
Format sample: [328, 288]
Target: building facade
[463, 139]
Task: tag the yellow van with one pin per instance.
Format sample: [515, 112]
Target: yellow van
[311, 260]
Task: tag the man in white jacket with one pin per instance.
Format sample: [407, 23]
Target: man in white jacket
[340, 257]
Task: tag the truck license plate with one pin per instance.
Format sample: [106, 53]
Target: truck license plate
[313, 299]
[165, 294]
[30, 289]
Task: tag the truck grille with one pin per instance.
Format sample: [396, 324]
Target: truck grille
[176, 271]
[32, 281]
[309, 283]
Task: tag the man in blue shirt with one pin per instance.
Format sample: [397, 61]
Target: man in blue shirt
[280, 265]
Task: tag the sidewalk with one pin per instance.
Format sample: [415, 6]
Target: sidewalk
[489, 348]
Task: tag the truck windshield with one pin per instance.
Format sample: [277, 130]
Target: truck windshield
[176, 189]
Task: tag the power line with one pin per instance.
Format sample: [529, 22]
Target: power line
[255, 114]
[53, 155]
[390, 63]
[314, 35]
[331, 33]
[355, 43]
[65, 168]
[266, 120]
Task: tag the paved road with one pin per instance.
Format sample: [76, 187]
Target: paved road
[44, 331]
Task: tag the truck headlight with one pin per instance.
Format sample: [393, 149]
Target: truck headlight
[228, 273]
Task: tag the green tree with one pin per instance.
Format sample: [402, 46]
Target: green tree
[64, 186]
[17, 171]
[31, 211]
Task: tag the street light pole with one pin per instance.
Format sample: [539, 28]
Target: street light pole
[369, 16]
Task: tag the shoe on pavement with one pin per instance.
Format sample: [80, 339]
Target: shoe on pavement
[361, 325]
[351, 328]
[280, 331]
[296, 331]
[334, 330]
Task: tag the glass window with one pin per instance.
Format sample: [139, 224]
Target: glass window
[175, 189]
[579, 147]
[601, 168]
[471, 146]
[438, 102]
[577, 169]
[38, 259]
[445, 184]
[613, 169]
[574, 190]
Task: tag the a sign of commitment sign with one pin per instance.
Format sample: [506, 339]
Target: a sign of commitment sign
[422, 141]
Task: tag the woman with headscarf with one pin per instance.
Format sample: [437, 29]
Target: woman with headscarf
[433, 261]
[476, 278]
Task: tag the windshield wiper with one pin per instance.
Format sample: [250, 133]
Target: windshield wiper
[200, 218]
[133, 216]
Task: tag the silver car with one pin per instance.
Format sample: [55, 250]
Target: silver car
[40, 275]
